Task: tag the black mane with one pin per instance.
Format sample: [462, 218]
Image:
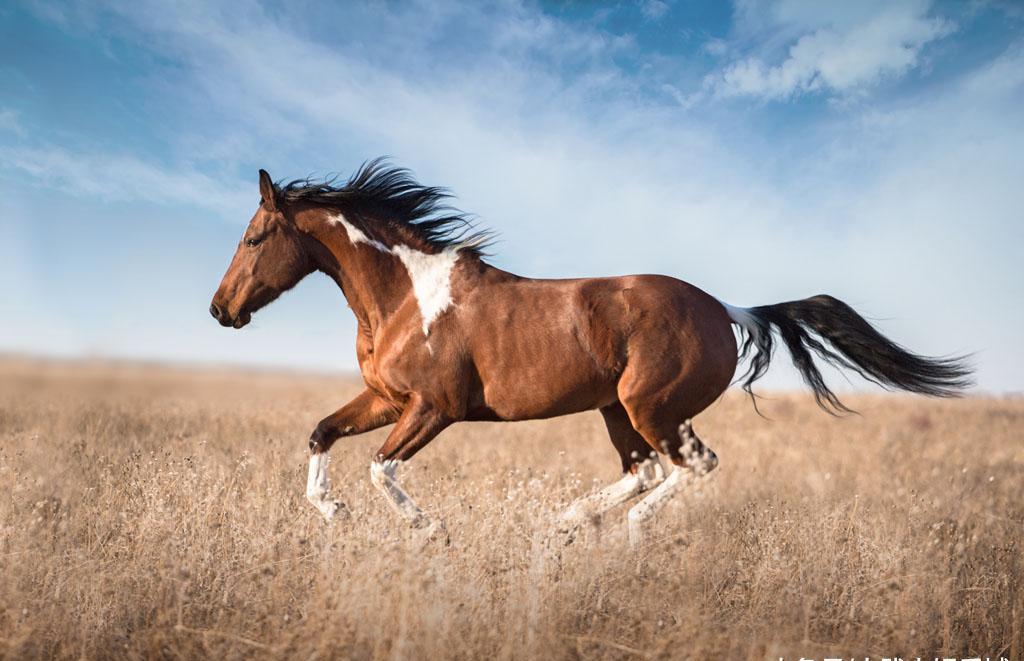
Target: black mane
[379, 192]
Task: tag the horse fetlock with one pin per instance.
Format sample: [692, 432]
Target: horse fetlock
[317, 493]
[639, 513]
[316, 496]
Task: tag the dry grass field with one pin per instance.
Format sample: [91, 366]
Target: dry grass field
[159, 513]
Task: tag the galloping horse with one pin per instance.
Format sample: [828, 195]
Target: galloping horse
[444, 337]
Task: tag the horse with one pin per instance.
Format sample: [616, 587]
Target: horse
[445, 337]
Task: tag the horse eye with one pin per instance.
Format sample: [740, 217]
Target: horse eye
[252, 243]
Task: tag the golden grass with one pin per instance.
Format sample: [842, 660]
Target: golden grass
[152, 512]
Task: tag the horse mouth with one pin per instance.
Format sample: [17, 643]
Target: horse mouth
[241, 320]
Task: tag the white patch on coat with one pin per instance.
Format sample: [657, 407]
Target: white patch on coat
[431, 277]
[430, 273]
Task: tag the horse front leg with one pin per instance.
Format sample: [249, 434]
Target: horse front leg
[417, 426]
[366, 412]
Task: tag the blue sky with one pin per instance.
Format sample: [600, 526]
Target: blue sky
[763, 151]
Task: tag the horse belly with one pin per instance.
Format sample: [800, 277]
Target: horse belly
[527, 394]
[538, 363]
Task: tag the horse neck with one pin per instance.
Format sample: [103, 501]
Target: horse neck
[369, 274]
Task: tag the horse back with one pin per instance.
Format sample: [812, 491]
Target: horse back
[542, 348]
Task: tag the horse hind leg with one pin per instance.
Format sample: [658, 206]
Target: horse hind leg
[641, 471]
[693, 461]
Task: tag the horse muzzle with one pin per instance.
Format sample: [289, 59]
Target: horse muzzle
[225, 319]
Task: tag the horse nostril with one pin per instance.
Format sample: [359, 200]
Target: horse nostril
[215, 311]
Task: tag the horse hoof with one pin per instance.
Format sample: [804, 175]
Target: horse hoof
[566, 530]
[335, 510]
[431, 532]
[571, 522]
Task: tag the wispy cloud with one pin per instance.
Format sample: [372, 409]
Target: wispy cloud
[834, 56]
[653, 9]
[10, 122]
[525, 153]
[123, 177]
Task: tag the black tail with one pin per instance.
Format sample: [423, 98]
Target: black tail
[840, 336]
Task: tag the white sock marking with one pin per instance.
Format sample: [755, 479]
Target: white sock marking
[316, 481]
[430, 273]
[382, 475]
[318, 487]
[648, 474]
[698, 464]
[647, 507]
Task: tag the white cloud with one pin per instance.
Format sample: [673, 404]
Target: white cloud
[653, 9]
[10, 122]
[122, 177]
[522, 146]
[715, 46]
[840, 50]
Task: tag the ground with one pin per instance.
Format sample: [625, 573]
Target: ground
[159, 512]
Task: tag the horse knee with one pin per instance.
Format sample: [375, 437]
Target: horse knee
[325, 434]
[320, 440]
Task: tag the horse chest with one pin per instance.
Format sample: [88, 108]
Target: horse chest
[398, 362]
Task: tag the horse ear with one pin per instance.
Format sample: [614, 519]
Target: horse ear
[267, 191]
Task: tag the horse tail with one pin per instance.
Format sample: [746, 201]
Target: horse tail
[838, 335]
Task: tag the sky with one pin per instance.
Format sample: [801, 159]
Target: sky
[763, 151]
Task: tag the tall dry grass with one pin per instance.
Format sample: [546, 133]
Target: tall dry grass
[159, 513]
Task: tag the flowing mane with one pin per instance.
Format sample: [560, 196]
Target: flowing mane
[386, 196]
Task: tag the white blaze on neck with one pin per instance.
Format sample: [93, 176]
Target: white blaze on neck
[356, 235]
[430, 273]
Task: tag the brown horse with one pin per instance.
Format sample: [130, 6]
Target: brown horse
[444, 337]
